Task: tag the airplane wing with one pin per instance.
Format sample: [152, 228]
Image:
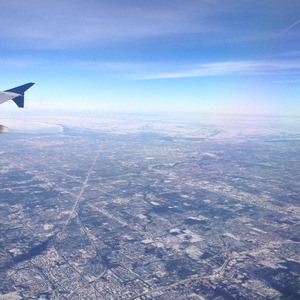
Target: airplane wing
[16, 94]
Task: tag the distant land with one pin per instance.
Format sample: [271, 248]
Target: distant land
[132, 206]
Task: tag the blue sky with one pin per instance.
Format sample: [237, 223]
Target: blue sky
[206, 56]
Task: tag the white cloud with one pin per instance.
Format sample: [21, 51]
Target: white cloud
[60, 24]
[229, 68]
[56, 24]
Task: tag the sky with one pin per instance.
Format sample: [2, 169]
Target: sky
[203, 56]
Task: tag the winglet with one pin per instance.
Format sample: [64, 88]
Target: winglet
[19, 100]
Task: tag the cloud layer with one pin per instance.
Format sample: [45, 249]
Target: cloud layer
[58, 24]
[245, 68]
[69, 23]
